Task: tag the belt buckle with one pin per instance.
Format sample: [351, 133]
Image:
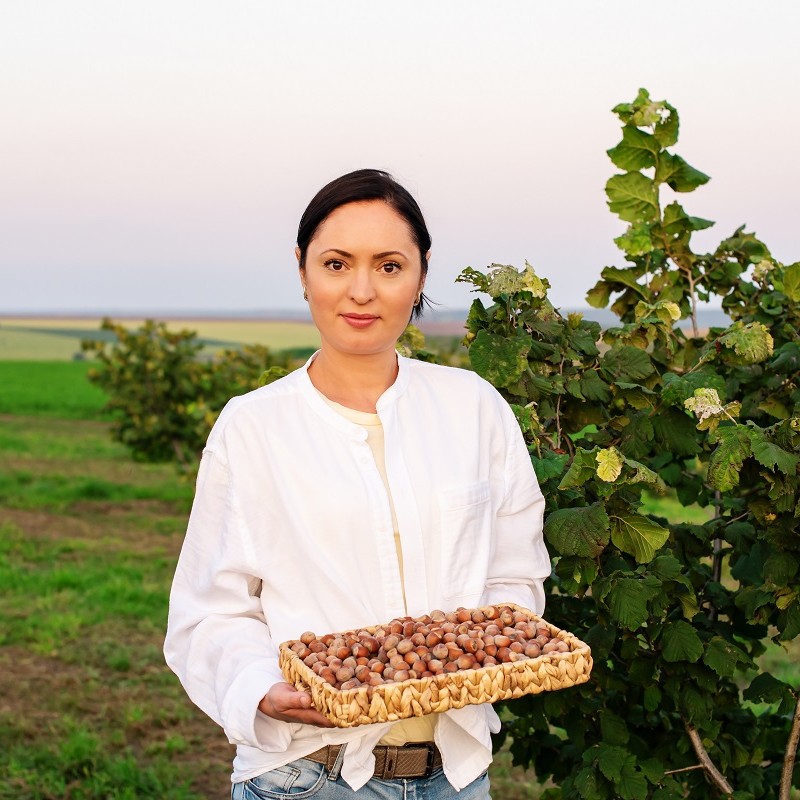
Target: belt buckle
[431, 748]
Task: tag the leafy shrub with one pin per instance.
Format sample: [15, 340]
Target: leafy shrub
[163, 396]
[676, 614]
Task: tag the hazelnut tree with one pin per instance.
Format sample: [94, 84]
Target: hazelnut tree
[677, 615]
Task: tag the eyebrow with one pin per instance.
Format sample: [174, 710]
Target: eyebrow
[376, 255]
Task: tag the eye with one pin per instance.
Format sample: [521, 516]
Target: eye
[334, 265]
[391, 268]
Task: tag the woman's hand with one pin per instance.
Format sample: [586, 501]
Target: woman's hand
[288, 704]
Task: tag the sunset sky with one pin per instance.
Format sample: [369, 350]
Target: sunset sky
[157, 155]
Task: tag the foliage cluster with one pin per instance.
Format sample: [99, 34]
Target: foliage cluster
[676, 615]
[164, 398]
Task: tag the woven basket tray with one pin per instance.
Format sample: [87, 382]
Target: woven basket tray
[390, 702]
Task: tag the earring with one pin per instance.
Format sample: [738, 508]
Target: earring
[419, 299]
[305, 294]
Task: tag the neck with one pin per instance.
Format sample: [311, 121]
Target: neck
[353, 381]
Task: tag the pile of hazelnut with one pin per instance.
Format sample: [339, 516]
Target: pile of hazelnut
[435, 644]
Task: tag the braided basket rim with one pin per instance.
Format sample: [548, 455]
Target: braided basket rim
[365, 705]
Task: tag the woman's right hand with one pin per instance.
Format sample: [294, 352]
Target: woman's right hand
[288, 704]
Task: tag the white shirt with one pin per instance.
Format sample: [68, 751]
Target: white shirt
[291, 530]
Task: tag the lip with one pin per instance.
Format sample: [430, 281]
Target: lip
[359, 320]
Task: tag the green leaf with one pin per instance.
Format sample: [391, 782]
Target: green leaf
[272, 374]
[653, 769]
[675, 220]
[722, 656]
[636, 151]
[611, 760]
[677, 174]
[666, 130]
[790, 282]
[500, 360]
[775, 408]
[636, 241]
[581, 470]
[652, 698]
[575, 573]
[641, 474]
[679, 388]
[727, 459]
[627, 602]
[789, 623]
[666, 567]
[770, 455]
[626, 361]
[752, 342]
[633, 197]
[638, 536]
[613, 728]
[680, 642]
[675, 433]
[587, 784]
[632, 785]
[765, 688]
[551, 466]
[599, 295]
[593, 387]
[578, 531]
[780, 568]
[626, 276]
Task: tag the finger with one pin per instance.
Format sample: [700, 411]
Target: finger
[285, 700]
[307, 717]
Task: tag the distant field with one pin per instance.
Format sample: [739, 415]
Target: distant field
[59, 339]
[50, 389]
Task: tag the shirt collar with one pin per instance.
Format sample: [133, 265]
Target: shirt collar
[332, 417]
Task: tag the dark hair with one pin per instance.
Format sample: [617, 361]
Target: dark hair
[366, 184]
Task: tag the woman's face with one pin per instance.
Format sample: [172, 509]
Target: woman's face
[362, 275]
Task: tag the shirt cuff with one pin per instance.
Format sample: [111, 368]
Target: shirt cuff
[244, 723]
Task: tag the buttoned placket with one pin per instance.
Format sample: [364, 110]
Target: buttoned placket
[384, 530]
[405, 504]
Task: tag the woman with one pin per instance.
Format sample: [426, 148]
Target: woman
[361, 487]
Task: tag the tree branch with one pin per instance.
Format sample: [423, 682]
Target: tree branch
[791, 755]
[684, 769]
[717, 778]
[716, 569]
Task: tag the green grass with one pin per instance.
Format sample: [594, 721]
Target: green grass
[24, 489]
[80, 765]
[50, 388]
[88, 545]
[669, 507]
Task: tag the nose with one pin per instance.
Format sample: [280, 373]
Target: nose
[361, 288]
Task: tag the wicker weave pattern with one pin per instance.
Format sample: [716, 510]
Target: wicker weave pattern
[419, 696]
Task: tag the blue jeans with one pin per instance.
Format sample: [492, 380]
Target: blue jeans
[305, 779]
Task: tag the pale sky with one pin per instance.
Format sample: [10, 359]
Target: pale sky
[157, 155]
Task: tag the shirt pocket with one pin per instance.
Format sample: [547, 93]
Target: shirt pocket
[466, 527]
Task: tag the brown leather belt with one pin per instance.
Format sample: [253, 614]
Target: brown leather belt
[416, 760]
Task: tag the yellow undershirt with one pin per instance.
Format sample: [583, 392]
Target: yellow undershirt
[413, 729]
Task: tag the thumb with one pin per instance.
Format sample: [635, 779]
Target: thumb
[294, 698]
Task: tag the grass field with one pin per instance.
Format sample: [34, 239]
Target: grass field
[54, 339]
[88, 543]
[53, 388]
